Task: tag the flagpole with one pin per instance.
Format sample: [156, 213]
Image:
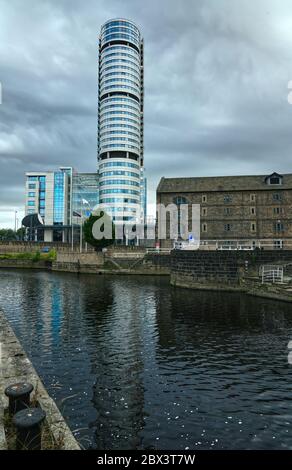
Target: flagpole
[72, 241]
[81, 226]
[82, 201]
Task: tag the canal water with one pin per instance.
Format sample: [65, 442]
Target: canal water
[134, 363]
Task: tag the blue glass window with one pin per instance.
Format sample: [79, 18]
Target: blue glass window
[122, 119]
[30, 203]
[110, 200]
[120, 191]
[126, 23]
[119, 173]
[128, 87]
[58, 198]
[128, 37]
[126, 164]
[121, 182]
[31, 194]
[134, 147]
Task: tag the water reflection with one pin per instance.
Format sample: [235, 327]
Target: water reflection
[133, 363]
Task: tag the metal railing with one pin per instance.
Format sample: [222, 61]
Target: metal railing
[158, 250]
[272, 274]
[248, 245]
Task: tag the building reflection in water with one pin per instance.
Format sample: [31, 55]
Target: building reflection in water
[118, 392]
[133, 363]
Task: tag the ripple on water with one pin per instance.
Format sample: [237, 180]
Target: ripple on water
[133, 363]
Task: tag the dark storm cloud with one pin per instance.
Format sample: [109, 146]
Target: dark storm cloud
[216, 76]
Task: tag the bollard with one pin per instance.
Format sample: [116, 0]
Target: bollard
[19, 396]
[28, 425]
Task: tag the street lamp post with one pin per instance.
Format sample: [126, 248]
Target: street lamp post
[82, 203]
[15, 227]
[72, 236]
[81, 231]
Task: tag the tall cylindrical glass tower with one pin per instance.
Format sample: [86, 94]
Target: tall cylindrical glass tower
[120, 120]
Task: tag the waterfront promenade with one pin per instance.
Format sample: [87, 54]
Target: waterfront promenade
[15, 367]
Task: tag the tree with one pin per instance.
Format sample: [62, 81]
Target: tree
[20, 234]
[7, 235]
[106, 221]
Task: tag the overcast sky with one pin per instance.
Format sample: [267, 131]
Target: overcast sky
[216, 86]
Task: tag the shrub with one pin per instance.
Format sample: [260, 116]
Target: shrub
[88, 226]
[36, 256]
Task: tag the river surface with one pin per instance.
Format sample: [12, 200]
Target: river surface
[134, 363]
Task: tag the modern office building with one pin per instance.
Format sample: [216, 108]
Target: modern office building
[49, 194]
[85, 193]
[62, 198]
[120, 121]
[236, 211]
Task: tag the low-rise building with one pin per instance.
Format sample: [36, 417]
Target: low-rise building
[235, 211]
[62, 198]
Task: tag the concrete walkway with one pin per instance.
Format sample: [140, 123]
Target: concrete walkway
[16, 367]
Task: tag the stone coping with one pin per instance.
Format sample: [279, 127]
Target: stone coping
[16, 367]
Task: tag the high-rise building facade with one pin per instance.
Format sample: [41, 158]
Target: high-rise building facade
[120, 121]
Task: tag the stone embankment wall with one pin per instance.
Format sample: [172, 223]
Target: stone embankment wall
[16, 367]
[204, 269]
[91, 262]
[24, 264]
[229, 270]
[33, 247]
[126, 252]
[116, 260]
[158, 262]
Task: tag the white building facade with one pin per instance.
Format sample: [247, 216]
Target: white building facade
[120, 121]
[49, 194]
[63, 199]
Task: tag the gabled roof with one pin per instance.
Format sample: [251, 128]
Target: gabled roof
[221, 183]
[273, 175]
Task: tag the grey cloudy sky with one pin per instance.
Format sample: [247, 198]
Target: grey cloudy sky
[216, 86]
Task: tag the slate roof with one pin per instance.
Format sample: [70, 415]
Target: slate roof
[222, 183]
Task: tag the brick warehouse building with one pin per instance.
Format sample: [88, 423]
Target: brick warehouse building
[236, 211]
